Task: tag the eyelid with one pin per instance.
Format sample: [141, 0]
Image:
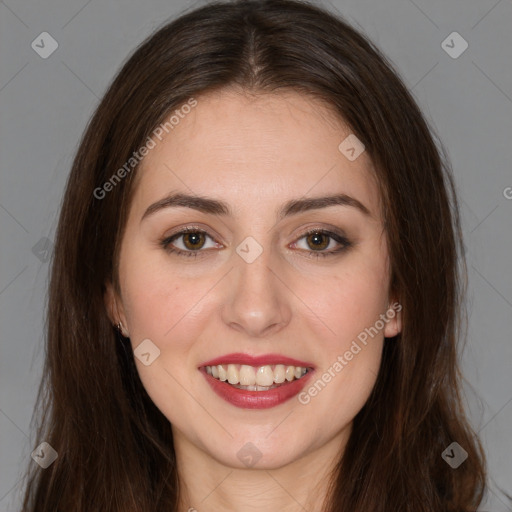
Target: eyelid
[193, 228]
[333, 233]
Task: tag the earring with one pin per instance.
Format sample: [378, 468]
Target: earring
[119, 327]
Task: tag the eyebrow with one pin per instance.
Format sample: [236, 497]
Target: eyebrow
[216, 207]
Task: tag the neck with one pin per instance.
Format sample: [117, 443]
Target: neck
[207, 485]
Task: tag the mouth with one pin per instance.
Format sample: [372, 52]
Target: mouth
[256, 383]
[260, 378]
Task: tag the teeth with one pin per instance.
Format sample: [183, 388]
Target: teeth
[259, 378]
[223, 374]
[264, 376]
[255, 388]
[279, 373]
[233, 374]
[247, 375]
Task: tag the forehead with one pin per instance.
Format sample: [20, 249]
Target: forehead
[255, 149]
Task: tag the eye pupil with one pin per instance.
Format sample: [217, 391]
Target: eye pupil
[320, 240]
[192, 239]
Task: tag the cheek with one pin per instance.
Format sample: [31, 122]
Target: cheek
[160, 311]
[350, 305]
[341, 389]
[349, 301]
[351, 357]
[159, 303]
[168, 310]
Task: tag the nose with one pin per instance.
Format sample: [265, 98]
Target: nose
[257, 302]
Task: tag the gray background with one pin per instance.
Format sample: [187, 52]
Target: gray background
[45, 104]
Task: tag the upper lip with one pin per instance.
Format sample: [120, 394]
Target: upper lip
[265, 359]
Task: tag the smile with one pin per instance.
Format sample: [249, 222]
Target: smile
[251, 378]
[256, 382]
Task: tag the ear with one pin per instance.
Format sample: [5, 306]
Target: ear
[394, 316]
[114, 307]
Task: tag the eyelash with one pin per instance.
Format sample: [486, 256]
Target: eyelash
[345, 243]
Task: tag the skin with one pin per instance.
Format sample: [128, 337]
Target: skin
[255, 153]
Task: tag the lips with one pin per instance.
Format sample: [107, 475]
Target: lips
[268, 359]
[256, 397]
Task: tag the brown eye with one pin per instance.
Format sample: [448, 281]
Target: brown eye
[190, 241]
[318, 241]
[193, 240]
[315, 242]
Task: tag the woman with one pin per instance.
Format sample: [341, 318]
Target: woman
[255, 301]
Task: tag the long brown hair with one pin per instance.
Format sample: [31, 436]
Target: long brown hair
[115, 448]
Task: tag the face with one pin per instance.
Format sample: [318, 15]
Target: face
[265, 283]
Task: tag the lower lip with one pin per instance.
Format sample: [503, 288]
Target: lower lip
[257, 399]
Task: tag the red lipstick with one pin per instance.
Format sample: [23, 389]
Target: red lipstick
[246, 399]
[239, 358]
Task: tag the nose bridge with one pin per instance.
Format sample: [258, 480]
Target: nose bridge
[256, 301]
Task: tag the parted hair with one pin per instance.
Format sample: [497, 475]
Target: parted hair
[115, 447]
